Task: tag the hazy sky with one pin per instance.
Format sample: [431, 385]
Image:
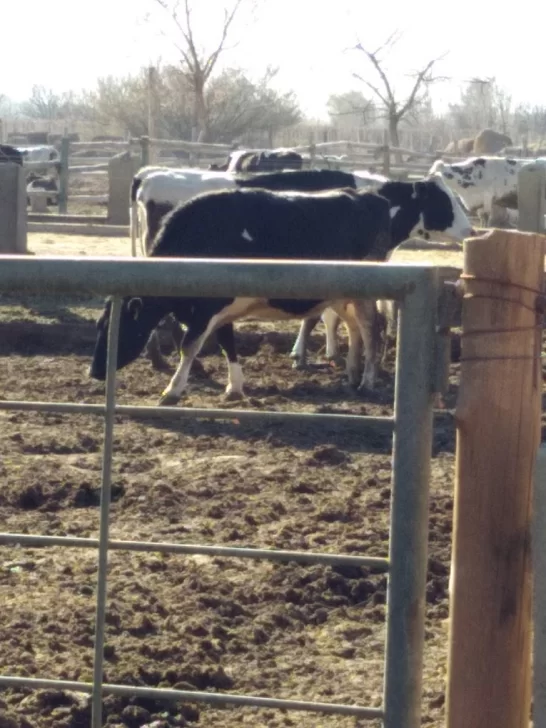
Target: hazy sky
[61, 45]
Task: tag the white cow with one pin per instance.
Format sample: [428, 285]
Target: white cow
[161, 189]
[39, 153]
[485, 182]
[138, 178]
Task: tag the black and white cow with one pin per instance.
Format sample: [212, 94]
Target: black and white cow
[421, 208]
[156, 191]
[254, 223]
[485, 183]
[257, 160]
[10, 154]
[39, 182]
[418, 208]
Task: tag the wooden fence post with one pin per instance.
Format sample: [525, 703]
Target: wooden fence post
[532, 198]
[144, 151]
[121, 170]
[498, 432]
[539, 592]
[64, 175]
[13, 209]
[386, 160]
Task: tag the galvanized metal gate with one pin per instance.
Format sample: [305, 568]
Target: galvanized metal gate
[417, 290]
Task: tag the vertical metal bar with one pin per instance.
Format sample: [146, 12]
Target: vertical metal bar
[98, 665]
[409, 506]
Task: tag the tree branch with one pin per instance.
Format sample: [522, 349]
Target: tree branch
[376, 91]
[228, 19]
[372, 57]
[392, 40]
[395, 109]
[191, 59]
[420, 80]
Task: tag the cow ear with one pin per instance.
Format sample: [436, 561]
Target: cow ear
[134, 307]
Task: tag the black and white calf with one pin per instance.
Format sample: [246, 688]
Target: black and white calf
[41, 182]
[10, 154]
[260, 160]
[418, 209]
[254, 223]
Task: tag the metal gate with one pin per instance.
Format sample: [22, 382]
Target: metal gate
[416, 287]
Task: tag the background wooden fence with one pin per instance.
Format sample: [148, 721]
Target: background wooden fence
[86, 170]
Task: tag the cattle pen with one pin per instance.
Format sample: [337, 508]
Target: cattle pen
[418, 288]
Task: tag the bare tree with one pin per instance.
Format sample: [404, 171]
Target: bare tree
[197, 64]
[394, 108]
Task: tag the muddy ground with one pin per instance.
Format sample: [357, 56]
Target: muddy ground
[194, 622]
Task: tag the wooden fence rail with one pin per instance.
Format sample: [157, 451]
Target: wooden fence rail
[397, 162]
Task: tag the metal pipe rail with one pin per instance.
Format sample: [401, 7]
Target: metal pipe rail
[376, 563]
[379, 424]
[197, 277]
[417, 289]
[196, 696]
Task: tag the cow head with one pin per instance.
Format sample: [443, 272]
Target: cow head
[440, 210]
[139, 316]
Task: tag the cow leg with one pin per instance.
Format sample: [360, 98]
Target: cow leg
[354, 354]
[178, 334]
[383, 326]
[387, 313]
[365, 311]
[226, 339]
[203, 324]
[153, 353]
[331, 322]
[299, 350]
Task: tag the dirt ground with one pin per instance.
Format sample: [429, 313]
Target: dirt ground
[194, 622]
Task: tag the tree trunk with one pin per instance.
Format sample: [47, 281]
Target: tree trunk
[200, 109]
[394, 138]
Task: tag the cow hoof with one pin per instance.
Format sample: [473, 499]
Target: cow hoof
[233, 396]
[300, 364]
[354, 379]
[169, 400]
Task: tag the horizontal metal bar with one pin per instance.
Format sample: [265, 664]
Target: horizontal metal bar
[197, 696]
[381, 424]
[206, 278]
[377, 564]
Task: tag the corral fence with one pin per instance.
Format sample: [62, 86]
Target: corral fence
[417, 289]
[102, 159]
